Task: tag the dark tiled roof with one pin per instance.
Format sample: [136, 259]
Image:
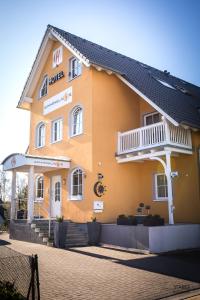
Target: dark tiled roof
[182, 106]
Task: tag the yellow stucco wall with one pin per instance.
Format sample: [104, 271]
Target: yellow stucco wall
[109, 106]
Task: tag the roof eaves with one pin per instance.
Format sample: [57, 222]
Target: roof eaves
[32, 69]
[104, 67]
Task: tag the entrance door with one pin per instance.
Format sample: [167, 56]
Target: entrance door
[56, 196]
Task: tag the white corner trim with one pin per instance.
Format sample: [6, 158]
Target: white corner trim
[71, 48]
[147, 100]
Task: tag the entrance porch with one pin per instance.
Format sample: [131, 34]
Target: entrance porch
[34, 165]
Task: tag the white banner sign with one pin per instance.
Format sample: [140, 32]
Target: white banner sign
[57, 101]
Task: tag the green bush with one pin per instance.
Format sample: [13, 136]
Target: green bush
[9, 292]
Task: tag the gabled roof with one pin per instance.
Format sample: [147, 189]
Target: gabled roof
[178, 99]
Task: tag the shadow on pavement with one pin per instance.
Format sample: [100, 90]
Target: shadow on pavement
[183, 265]
[4, 243]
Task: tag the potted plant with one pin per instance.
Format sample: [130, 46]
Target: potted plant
[50, 242]
[122, 220]
[155, 220]
[94, 231]
[60, 230]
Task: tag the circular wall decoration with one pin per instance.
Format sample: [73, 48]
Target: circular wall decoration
[99, 189]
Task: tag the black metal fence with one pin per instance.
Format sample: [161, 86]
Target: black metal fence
[21, 271]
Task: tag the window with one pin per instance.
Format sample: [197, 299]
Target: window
[161, 187]
[76, 121]
[152, 118]
[40, 187]
[77, 184]
[57, 191]
[43, 88]
[74, 67]
[56, 133]
[40, 135]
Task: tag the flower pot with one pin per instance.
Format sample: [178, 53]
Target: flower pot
[94, 231]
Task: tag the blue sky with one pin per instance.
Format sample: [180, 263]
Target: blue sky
[161, 33]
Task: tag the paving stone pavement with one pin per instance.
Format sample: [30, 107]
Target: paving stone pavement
[95, 273]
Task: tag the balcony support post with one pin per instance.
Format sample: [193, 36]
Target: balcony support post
[167, 167]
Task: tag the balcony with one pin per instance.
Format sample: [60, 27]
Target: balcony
[154, 136]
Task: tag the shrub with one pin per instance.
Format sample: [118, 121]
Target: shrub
[9, 292]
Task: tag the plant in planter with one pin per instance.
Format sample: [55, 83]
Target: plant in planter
[122, 220]
[132, 220]
[147, 207]
[94, 231]
[155, 220]
[59, 219]
[50, 242]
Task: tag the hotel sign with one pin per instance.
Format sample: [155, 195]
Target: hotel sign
[56, 77]
[57, 101]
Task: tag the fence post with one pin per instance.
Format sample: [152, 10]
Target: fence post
[37, 277]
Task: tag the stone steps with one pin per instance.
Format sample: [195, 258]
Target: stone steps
[75, 236]
[41, 227]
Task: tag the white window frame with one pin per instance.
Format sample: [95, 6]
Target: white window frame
[157, 198]
[78, 68]
[149, 115]
[36, 187]
[45, 81]
[38, 137]
[60, 135]
[79, 124]
[79, 196]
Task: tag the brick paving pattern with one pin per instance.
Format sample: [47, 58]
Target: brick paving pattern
[95, 273]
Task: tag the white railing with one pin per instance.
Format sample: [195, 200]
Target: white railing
[155, 135]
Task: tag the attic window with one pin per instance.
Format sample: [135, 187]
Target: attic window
[165, 83]
[183, 90]
[44, 86]
[75, 68]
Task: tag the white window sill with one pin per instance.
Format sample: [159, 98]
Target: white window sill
[58, 141]
[74, 135]
[39, 200]
[161, 200]
[39, 147]
[75, 198]
[70, 79]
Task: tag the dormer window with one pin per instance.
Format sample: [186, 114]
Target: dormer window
[152, 118]
[44, 87]
[74, 68]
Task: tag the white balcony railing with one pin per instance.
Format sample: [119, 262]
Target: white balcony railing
[151, 136]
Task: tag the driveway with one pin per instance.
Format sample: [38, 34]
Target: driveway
[96, 273]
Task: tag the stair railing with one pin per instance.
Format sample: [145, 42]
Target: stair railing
[41, 207]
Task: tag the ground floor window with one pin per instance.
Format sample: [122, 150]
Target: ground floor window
[161, 192]
[77, 184]
[40, 187]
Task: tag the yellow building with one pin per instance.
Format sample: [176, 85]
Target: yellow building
[106, 134]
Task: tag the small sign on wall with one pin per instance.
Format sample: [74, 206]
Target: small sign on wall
[57, 56]
[98, 206]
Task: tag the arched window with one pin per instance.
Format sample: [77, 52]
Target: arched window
[44, 87]
[76, 120]
[40, 135]
[77, 184]
[40, 187]
[57, 191]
